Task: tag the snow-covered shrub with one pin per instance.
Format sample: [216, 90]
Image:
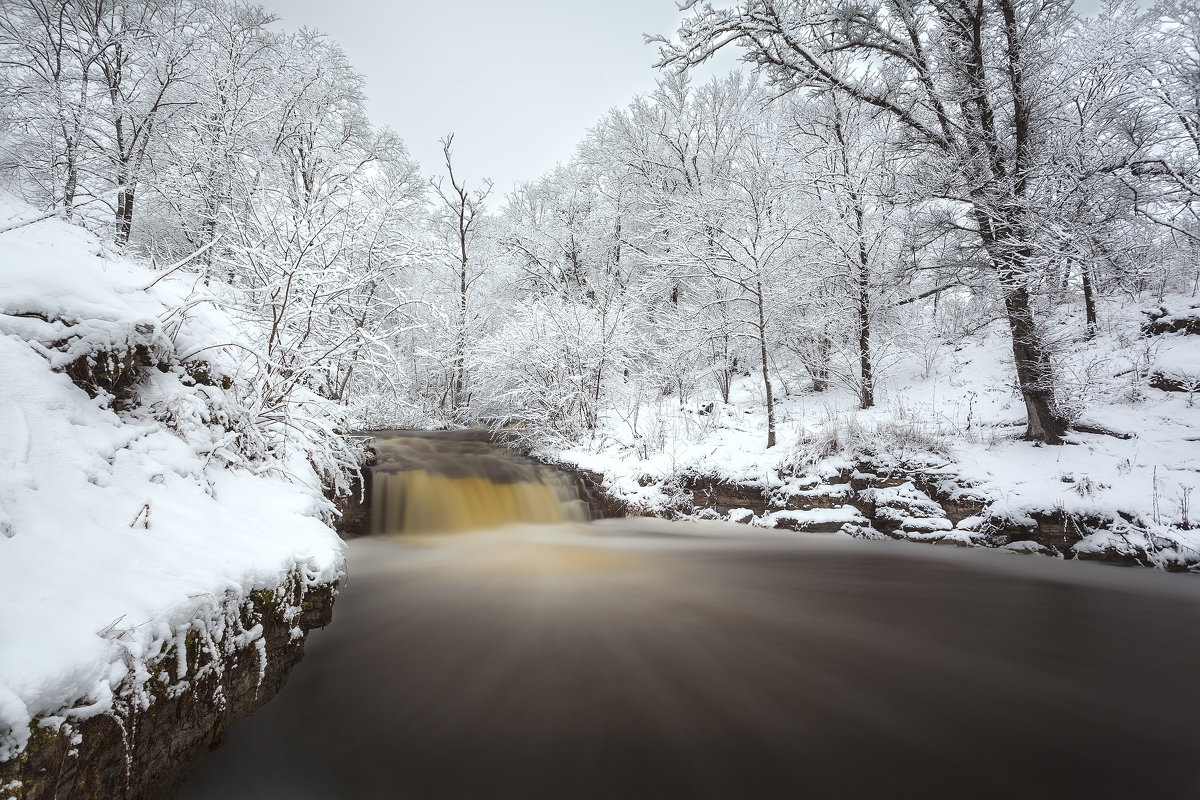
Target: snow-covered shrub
[813, 447]
[163, 353]
[901, 437]
[552, 367]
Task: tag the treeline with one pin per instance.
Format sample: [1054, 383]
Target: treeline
[898, 173]
[202, 137]
[882, 177]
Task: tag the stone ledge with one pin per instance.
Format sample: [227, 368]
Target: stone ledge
[164, 726]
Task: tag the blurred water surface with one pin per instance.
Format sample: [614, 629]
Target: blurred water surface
[640, 658]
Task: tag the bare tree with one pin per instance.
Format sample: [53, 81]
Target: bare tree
[743, 235]
[463, 209]
[48, 59]
[843, 152]
[144, 61]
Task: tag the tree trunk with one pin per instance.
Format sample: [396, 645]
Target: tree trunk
[460, 349]
[71, 185]
[867, 387]
[1033, 370]
[762, 343]
[819, 369]
[124, 215]
[1089, 302]
[1009, 253]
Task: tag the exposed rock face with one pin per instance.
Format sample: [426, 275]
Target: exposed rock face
[589, 485]
[355, 508]
[724, 497]
[162, 727]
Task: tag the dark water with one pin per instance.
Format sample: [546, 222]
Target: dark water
[641, 659]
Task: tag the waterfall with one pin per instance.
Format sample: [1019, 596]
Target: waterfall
[449, 482]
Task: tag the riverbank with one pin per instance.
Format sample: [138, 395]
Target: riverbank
[940, 457]
[158, 573]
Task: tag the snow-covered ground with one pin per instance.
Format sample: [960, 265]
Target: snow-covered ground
[118, 527]
[952, 411]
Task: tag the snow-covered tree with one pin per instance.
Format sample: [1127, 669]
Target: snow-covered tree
[966, 83]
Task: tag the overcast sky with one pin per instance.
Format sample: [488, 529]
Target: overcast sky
[518, 81]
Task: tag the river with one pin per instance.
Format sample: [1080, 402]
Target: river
[641, 658]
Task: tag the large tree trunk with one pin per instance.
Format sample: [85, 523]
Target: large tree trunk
[1034, 373]
[1009, 253]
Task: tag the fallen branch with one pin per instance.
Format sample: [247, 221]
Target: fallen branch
[57, 212]
[1096, 429]
[13, 226]
[182, 263]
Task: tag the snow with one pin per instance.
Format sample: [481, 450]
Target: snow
[1178, 358]
[803, 520]
[959, 423]
[119, 528]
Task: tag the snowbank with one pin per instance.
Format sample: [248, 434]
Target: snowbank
[1132, 466]
[117, 527]
[1178, 362]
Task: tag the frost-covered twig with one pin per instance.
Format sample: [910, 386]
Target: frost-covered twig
[181, 263]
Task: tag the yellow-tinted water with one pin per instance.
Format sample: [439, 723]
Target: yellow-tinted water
[418, 501]
[434, 486]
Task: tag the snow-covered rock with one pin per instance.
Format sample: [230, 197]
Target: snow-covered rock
[817, 520]
[906, 510]
[1176, 365]
[120, 522]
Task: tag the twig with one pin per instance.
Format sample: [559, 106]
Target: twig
[144, 515]
[179, 264]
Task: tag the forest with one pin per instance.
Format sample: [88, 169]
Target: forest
[915, 270]
[785, 250]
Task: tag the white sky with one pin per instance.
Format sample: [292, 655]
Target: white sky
[518, 81]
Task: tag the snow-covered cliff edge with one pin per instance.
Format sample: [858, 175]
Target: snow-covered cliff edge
[148, 511]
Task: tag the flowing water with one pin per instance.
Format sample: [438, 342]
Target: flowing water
[452, 482]
[641, 658]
